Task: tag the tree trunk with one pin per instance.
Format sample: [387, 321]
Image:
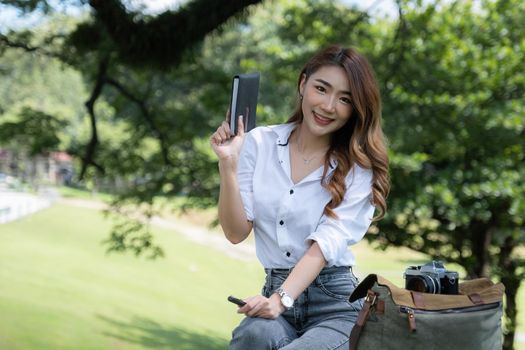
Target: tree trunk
[512, 283]
[480, 248]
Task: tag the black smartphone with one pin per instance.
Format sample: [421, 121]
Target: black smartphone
[236, 301]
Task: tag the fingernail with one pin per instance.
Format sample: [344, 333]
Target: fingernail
[241, 117]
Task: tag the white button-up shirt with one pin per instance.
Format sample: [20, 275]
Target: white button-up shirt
[287, 217]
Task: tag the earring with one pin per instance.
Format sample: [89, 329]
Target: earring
[301, 96]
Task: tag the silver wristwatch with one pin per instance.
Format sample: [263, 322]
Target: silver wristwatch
[286, 299]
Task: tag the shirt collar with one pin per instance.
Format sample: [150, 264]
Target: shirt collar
[283, 132]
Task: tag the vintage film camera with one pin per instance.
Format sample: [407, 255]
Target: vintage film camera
[431, 278]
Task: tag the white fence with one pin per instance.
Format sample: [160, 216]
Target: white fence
[14, 205]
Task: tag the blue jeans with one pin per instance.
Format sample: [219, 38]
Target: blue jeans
[322, 316]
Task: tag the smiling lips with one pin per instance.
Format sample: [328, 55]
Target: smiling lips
[322, 120]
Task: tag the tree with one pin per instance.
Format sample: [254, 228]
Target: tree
[453, 110]
[131, 60]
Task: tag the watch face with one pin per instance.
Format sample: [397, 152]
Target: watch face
[287, 301]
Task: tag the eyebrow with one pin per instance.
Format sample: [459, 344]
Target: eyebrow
[324, 82]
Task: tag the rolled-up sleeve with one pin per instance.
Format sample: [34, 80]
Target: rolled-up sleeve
[245, 171]
[354, 216]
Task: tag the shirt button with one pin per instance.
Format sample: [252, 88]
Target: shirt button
[281, 222]
[288, 254]
[291, 191]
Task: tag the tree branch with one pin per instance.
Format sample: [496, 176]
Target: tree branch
[163, 39]
[147, 116]
[399, 36]
[17, 45]
[4, 40]
[29, 5]
[88, 158]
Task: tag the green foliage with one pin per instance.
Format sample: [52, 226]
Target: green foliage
[36, 130]
[456, 131]
[453, 110]
[41, 102]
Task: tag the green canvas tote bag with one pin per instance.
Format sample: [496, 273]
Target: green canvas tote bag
[396, 318]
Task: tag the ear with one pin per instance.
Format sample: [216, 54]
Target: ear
[302, 84]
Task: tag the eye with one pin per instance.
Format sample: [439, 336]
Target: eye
[320, 88]
[346, 100]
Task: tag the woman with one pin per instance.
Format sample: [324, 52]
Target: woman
[308, 189]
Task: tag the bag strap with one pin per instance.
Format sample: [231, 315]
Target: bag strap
[418, 299]
[475, 298]
[370, 300]
[363, 288]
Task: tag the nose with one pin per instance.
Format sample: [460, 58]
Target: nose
[329, 103]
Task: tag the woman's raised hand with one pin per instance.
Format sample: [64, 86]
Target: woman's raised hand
[226, 146]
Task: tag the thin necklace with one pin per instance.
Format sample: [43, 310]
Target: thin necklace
[306, 161]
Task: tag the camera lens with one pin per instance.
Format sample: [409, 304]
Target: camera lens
[423, 284]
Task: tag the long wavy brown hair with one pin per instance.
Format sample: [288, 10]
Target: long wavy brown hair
[361, 140]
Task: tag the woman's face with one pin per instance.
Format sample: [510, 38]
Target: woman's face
[326, 103]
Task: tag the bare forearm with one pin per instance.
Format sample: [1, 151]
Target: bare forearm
[232, 217]
[305, 271]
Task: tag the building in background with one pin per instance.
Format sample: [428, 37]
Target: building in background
[55, 168]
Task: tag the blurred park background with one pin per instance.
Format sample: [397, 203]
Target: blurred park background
[108, 185]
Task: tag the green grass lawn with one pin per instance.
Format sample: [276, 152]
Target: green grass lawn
[59, 290]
